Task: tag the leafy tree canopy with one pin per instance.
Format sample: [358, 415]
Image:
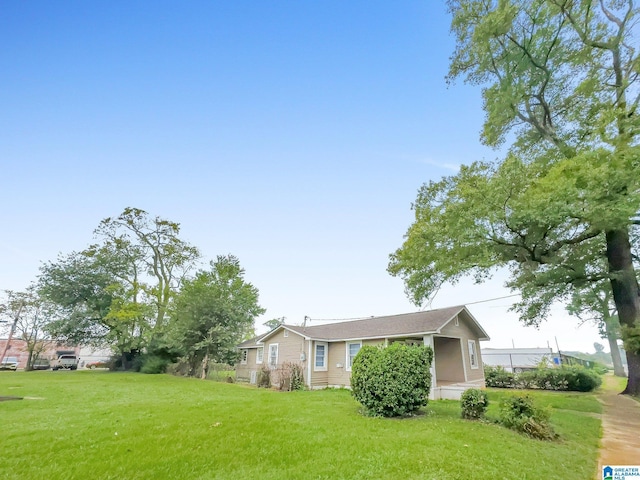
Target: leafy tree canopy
[214, 311]
[559, 80]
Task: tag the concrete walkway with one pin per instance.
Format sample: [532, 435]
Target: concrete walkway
[620, 443]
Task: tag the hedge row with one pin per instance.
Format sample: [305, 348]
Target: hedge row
[572, 378]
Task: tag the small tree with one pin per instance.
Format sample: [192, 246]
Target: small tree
[393, 381]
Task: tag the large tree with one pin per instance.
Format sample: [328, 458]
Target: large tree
[159, 259]
[214, 312]
[559, 80]
[94, 306]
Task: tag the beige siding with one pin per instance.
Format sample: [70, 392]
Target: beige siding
[243, 372]
[290, 349]
[448, 360]
[338, 375]
[465, 333]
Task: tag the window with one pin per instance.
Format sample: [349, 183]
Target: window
[243, 356]
[352, 351]
[273, 355]
[286, 333]
[321, 356]
[259, 354]
[473, 354]
[457, 321]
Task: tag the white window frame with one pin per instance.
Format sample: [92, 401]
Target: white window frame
[244, 355]
[275, 364]
[457, 321]
[323, 367]
[259, 355]
[348, 359]
[285, 334]
[473, 354]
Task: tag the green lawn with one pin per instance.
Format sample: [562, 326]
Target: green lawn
[101, 425]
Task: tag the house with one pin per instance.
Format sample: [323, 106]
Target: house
[326, 352]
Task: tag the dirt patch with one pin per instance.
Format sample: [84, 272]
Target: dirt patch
[620, 444]
[6, 399]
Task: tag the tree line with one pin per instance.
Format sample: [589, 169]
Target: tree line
[138, 291]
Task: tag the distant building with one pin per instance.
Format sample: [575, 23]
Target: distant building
[519, 359]
[18, 348]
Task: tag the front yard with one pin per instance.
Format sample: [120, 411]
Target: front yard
[101, 425]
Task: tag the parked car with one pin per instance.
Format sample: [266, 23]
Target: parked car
[98, 364]
[9, 363]
[65, 362]
[41, 364]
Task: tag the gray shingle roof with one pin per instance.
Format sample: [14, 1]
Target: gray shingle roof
[251, 343]
[380, 327]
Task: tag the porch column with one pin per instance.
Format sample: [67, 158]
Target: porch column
[309, 364]
[428, 341]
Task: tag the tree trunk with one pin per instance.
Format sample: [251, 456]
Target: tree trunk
[205, 366]
[29, 366]
[626, 295]
[618, 369]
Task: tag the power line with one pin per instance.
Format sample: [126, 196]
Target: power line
[492, 299]
[363, 318]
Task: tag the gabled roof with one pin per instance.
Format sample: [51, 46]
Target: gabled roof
[251, 343]
[407, 324]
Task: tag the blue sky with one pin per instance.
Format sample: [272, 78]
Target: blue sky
[292, 134]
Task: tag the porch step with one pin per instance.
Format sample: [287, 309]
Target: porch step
[453, 391]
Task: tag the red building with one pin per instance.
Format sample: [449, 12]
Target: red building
[18, 348]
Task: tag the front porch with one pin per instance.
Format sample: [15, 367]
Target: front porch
[449, 376]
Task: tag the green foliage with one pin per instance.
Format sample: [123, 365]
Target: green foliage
[565, 193]
[392, 381]
[631, 338]
[521, 414]
[498, 377]
[153, 364]
[572, 378]
[263, 379]
[474, 403]
[213, 312]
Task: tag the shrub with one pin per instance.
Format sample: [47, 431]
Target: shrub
[392, 381]
[580, 379]
[264, 377]
[474, 403]
[574, 378]
[291, 377]
[498, 377]
[520, 413]
[153, 364]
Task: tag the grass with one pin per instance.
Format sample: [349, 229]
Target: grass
[103, 425]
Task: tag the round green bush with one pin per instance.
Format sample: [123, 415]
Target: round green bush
[393, 381]
[474, 403]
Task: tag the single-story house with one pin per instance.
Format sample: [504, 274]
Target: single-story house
[326, 352]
